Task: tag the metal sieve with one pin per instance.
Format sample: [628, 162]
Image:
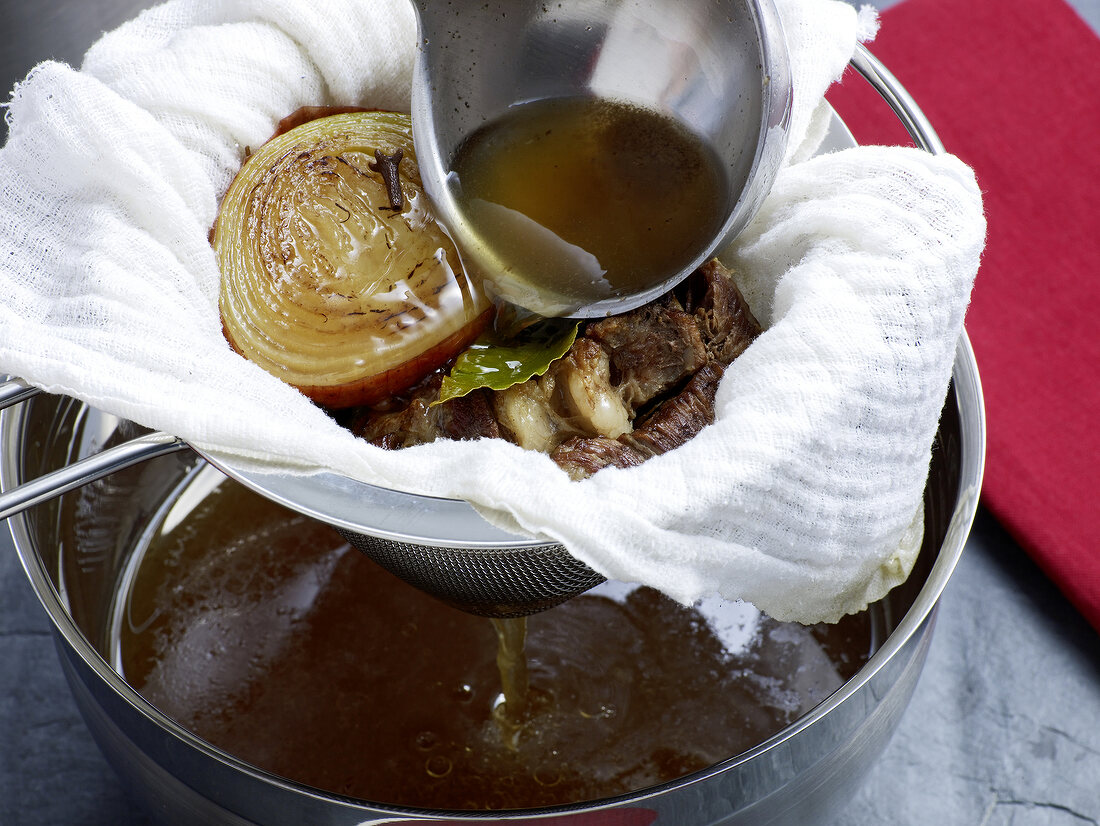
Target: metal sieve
[442, 546]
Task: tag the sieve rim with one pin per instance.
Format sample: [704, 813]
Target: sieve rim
[382, 513]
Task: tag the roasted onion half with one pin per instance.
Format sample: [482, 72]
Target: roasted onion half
[335, 276]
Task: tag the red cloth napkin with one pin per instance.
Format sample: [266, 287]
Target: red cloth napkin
[1013, 88]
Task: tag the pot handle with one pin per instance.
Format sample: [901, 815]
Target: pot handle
[79, 473]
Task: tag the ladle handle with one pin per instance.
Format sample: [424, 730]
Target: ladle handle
[78, 473]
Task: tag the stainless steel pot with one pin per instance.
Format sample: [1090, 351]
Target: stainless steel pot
[800, 774]
[797, 776]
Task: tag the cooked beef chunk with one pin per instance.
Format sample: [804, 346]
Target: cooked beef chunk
[726, 323]
[417, 421]
[671, 424]
[402, 425]
[469, 417]
[677, 420]
[653, 349]
[582, 456]
[661, 362]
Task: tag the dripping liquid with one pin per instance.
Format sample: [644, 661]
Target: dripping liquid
[511, 711]
[264, 633]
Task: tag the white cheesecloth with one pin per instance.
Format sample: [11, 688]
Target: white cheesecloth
[800, 499]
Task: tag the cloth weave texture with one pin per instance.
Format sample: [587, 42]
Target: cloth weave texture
[803, 498]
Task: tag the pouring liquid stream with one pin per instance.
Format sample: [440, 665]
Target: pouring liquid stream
[510, 714]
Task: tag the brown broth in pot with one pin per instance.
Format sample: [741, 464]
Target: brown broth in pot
[264, 633]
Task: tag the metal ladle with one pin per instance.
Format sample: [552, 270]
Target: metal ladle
[719, 68]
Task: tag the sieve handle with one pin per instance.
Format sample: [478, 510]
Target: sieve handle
[900, 101]
[15, 391]
[82, 472]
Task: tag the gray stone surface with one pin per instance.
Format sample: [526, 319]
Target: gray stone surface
[1004, 727]
[51, 771]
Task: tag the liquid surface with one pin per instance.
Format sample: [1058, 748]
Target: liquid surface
[589, 198]
[267, 635]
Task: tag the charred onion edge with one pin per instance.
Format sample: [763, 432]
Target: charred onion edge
[306, 114]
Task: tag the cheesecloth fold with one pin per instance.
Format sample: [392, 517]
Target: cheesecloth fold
[803, 498]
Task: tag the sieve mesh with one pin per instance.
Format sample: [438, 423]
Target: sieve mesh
[491, 582]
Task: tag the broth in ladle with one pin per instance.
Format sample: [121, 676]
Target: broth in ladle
[264, 633]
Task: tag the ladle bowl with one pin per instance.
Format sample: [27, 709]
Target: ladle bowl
[719, 68]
